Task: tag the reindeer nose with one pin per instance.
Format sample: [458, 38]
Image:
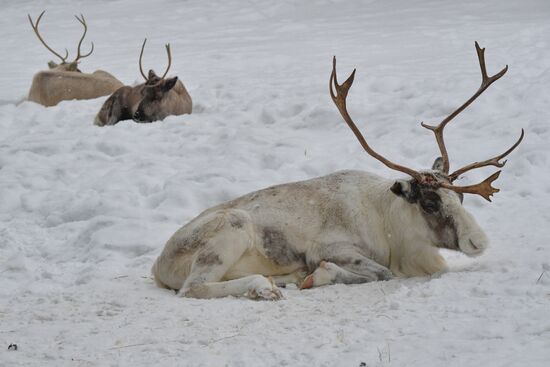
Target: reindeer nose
[137, 115]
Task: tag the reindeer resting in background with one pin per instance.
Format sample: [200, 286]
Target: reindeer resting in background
[65, 81]
[151, 101]
[347, 227]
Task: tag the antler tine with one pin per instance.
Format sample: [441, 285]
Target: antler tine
[483, 189]
[495, 161]
[339, 99]
[140, 57]
[169, 53]
[78, 55]
[486, 81]
[35, 28]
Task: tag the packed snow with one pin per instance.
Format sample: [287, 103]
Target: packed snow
[84, 211]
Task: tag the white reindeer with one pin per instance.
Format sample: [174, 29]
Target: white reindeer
[347, 227]
[65, 81]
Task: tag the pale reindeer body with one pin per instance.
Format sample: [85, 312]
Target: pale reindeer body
[53, 86]
[350, 218]
[64, 81]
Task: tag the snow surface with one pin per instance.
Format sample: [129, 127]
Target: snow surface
[84, 211]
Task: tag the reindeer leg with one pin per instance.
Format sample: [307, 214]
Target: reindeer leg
[253, 286]
[330, 273]
[345, 265]
[293, 278]
[364, 266]
[212, 262]
[113, 110]
[109, 113]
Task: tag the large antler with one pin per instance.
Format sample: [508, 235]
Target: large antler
[339, 99]
[486, 81]
[168, 52]
[63, 59]
[35, 29]
[78, 55]
[495, 161]
[484, 188]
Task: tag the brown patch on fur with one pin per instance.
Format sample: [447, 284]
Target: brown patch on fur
[444, 227]
[430, 203]
[235, 221]
[278, 248]
[190, 243]
[209, 258]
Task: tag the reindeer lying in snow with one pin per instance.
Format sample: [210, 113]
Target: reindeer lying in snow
[347, 227]
[151, 101]
[65, 81]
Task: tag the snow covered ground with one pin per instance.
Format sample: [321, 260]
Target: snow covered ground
[84, 211]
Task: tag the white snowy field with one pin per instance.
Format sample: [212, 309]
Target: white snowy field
[84, 211]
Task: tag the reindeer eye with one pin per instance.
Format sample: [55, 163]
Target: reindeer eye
[430, 206]
[430, 202]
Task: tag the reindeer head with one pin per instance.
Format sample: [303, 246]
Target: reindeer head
[152, 106]
[64, 65]
[432, 192]
[450, 225]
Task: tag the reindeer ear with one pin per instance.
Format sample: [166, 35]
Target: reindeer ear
[438, 164]
[52, 65]
[408, 190]
[73, 66]
[169, 84]
[151, 75]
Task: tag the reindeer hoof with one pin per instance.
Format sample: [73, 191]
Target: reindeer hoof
[263, 289]
[385, 274]
[307, 283]
[271, 294]
[265, 294]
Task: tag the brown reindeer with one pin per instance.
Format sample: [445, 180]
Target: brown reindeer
[147, 102]
[64, 81]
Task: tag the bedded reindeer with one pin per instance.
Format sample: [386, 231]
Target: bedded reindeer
[64, 81]
[347, 227]
[153, 100]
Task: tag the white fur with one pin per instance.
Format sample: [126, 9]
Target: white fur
[340, 217]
